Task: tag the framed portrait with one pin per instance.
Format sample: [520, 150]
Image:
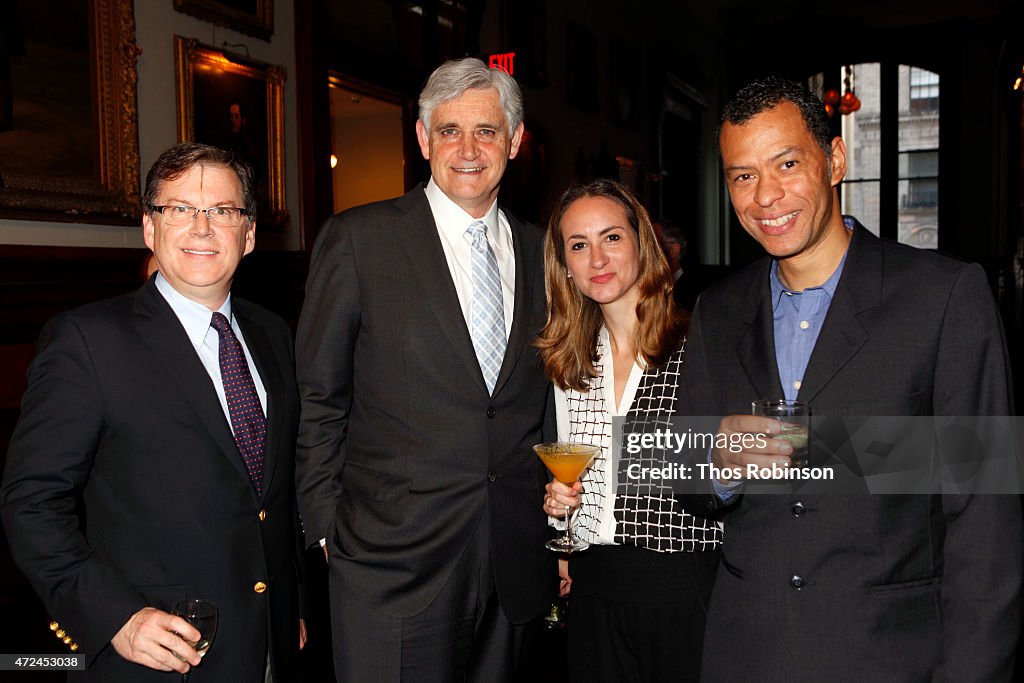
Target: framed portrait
[252, 17]
[235, 102]
[69, 141]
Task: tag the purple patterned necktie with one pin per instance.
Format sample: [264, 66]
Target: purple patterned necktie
[247, 420]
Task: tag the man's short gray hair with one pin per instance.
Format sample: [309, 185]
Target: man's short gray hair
[454, 77]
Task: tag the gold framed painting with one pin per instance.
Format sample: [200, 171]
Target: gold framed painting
[69, 141]
[235, 102]
[252, 17]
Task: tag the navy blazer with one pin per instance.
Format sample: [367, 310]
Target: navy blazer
[124, 488]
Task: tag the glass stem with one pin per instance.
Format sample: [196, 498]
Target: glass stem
[568, 527]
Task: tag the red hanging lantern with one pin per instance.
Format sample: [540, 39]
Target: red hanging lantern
[831, 96]
[849, 102]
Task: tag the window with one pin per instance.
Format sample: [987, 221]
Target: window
[862, 131]
[921, 171]
[892, 148]
[924, 91]
[918, 162]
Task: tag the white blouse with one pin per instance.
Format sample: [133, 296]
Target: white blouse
[595, 416]
[615, 510]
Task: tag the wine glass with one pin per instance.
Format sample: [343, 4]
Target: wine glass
[203, 615]
[566, 461]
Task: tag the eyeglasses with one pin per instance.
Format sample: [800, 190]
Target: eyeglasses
[217, 216]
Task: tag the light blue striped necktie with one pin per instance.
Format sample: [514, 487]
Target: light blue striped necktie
[488, 315]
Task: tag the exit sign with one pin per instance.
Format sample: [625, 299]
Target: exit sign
[504, 61]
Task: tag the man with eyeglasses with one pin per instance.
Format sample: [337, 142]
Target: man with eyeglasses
[154, 457]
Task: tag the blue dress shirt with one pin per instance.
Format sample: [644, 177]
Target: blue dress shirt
[798, 318]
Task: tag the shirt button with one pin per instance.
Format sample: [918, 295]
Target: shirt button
[797, 582]
[796, 384]
[804, 324]
[491, 412]
[798, 509]
[491, 476]
[263, 515]
[259, 587]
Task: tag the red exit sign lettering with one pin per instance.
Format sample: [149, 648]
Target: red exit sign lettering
[504, 61]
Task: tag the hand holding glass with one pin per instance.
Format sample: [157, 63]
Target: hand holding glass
[794, 418]
[203, 615]
[566, 461]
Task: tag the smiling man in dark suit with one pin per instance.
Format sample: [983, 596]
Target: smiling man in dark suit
[853, 587]
[154, 457]
[421, 399]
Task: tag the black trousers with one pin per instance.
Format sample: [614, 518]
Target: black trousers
[636, 615]
[463, 635]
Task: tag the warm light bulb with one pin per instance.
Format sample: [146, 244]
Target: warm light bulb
[334, 161]
[1016, 83]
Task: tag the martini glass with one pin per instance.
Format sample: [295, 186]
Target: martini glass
[566, 461]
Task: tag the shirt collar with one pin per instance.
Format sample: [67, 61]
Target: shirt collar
[194, 317]
[452, 218]
[829, 286]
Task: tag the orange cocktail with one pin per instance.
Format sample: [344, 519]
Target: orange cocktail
[566, 461]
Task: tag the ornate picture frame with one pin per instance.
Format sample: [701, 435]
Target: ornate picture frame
[70, 151]
[236, 102]
[252, 17]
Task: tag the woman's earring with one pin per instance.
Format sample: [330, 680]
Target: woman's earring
[568, 275]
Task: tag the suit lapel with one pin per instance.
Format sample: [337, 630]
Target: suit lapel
[160, 329]
[842, 334]
[417, 233]
[757, 357]
[263, 356]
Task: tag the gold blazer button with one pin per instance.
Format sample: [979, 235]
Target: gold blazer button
[260, 587]
[263, 515]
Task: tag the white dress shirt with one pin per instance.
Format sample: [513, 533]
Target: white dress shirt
[452, 221]
[195, 318]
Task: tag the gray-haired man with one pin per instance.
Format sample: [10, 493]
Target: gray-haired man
[421, 398]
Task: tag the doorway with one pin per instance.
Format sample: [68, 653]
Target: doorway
[367, 144]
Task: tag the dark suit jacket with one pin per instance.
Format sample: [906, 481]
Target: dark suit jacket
[402, 452]
[890, 588]
[121, 418]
